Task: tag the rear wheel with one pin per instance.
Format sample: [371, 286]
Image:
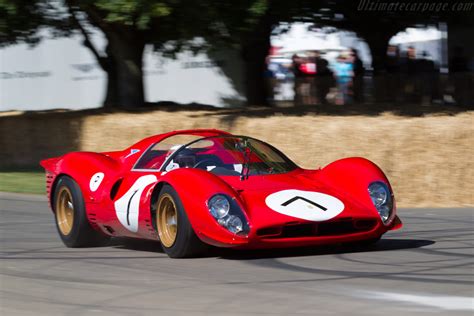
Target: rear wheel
[71, 219]
[177, 236]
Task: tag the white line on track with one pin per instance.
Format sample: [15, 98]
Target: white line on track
[441, 302]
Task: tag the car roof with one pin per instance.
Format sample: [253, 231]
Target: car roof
[147, 142]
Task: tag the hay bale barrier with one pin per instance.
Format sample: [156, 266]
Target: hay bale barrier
[428, 159]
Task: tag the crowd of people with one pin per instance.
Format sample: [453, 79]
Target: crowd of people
[416, 79]
[409, 78]
[406, 77]
[317, 81]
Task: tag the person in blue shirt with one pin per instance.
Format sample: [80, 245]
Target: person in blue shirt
[344, 73]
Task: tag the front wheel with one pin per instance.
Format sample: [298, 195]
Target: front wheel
[177, 236]
[71, 219]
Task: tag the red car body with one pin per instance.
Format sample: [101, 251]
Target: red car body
[106, 178]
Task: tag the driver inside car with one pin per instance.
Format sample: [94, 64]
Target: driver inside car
[185, 158]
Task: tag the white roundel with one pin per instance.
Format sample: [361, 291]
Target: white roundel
[308, 205]
[96, 180]
[127, 207]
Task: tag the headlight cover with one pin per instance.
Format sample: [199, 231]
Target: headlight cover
[382, 198]
[226, 211]
[219, 206]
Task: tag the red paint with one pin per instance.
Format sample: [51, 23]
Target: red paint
[346, 179]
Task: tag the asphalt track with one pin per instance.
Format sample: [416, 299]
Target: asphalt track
[427, 267]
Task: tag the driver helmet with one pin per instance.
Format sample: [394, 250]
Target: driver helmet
[185, 158]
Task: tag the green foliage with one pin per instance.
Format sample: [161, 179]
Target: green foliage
[133, 13]
[170, 25]
[20, 20]
[256, 10]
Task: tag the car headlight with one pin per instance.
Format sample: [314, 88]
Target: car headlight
[228, 214]
[219, 206]
[234, 224]
[382, 198]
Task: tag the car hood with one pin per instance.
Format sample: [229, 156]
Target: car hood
[299, 196]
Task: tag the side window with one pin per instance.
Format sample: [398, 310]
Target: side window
[156, 155]
[152, 159]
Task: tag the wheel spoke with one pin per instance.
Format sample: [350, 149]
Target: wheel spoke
[167, 220]
[64, 210]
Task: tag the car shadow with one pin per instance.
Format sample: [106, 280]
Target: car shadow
[153, 246]
[382, 245]
[136, 244]
[238, 254]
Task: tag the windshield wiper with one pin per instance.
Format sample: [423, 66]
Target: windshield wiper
[247, 152]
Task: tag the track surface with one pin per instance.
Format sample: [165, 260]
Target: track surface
[427, 267]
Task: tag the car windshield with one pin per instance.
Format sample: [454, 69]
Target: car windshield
[229, 155]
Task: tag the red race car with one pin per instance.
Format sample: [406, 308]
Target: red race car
[194, 188]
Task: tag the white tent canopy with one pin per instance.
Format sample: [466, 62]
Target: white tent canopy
[413, 35]
[299, 39]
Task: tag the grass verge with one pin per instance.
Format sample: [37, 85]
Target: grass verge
[22, 181]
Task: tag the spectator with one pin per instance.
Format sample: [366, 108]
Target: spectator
[411, 72]
[301, 70]
[270, 78]
[343, 70]
[299, 77]
[392, 64]
[428, 78]
[323, 78]
[358, 66]
[393, 78]
[459, 76]
[459, 61]
[311, 72]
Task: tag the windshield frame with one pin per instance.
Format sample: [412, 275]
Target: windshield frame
[291, 165]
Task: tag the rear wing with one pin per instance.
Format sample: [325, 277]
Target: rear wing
[50, 164]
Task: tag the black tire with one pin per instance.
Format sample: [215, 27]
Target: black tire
[81, 234]
[186, 243]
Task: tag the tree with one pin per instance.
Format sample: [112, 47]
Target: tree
[172, 25]
[20, 20]
[127, 26]
[246, 26]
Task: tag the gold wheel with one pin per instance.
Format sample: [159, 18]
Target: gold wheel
[64, 210]
[167, 220]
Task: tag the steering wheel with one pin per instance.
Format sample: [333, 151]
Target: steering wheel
[203, 164]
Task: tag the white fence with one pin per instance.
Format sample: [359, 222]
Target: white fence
[62, 73]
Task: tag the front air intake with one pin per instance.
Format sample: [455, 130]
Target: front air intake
[340, 227]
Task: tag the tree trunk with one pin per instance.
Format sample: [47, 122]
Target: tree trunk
[378, 50]
[255, 85]
[255, 49]
[109, 66]
[123, 62]
[125, 71]
[378, 45]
